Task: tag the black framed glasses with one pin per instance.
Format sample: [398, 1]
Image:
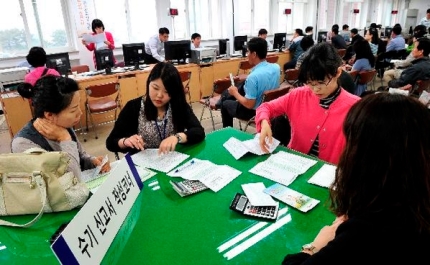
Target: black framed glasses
[318, 84]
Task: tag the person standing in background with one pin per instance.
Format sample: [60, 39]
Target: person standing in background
[154, 48]
[98, 28]
[426, 20]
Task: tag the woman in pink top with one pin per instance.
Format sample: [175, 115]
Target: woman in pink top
[37, 58]
[98, 27]
[316, 111]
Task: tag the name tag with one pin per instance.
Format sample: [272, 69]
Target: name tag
[88, 236]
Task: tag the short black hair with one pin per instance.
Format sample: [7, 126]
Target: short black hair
[163, 31]
[196, 35]
[420, 29]
[428, 10]
[309, 29]
[259, 46]
[373, 25]
[397, 30]
[36, 57]
[299, 31]
[354, 31]
[424, 45]
[306, 43]
[344, 27]
[97, 23]
[335, 31]
[335, 26]
[322, 61]
[262, 32]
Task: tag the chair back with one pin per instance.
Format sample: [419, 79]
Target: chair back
[272, 59]
[341, 52]
[291, 76]
[185, 78]
[80, 68]
[354, 75]
[275, 93]
[365, 77]
[420, 86]
[244, 66]
[102, 90]
[401, 54]
[220, 85]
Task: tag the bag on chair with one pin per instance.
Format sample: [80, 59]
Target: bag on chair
[35, 182]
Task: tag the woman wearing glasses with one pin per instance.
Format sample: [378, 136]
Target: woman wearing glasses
[316, 111]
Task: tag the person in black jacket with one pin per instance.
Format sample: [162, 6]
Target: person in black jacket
[161, 119]
[381, 190]
[420, 68]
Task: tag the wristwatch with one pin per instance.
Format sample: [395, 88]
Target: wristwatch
[309, 247]
[178, 136]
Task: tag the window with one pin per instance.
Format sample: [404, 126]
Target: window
[180, 21]
[251, 16]
[205, 18]
[261, 15]
[288, 23]
[28, 23]
[128, 20]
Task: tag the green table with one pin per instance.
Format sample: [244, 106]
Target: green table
[164, 228]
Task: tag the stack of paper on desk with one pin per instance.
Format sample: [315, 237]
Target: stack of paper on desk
[324, 176]
[215, 177]
[150, 158]
[238, 149]
[283, 167]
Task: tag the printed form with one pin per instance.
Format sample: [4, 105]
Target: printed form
[150, 158]
[238, 148]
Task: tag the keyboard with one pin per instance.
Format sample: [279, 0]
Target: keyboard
[93, 73]
[235, 55]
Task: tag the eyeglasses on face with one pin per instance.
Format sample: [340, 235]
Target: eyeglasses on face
[319, 84]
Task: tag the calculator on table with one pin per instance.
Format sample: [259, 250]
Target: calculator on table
[188, 187]
[242, 205]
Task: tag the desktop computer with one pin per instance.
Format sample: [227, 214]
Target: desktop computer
[59, 62]
[177, 51]
[134, 54]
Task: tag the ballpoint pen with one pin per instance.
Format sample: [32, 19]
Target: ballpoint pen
[184, 166]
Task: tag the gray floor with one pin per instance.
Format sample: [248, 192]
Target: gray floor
[96, 147]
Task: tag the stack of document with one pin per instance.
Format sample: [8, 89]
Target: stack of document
[238, 148]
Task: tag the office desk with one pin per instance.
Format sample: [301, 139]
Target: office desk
[164, 228]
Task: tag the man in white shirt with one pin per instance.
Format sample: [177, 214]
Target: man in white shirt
[154, 48]
[196, 39]
[426, 20]
[262, 33]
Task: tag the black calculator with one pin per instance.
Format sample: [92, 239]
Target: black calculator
[242, 205]
[188, 187]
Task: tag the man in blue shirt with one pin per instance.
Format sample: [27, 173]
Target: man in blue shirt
[264, 76]
[154, 48]
[397, 41]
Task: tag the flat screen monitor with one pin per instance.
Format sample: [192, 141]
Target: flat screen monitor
[134, 53]
[387, 32]
[104, 58]
[222, 46]
[59, 62]
[279, 40]
[322, 36]
[177, 51]
[239, 42]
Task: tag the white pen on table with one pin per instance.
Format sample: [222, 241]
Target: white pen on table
[99, 167]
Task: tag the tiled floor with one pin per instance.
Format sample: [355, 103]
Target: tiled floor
[97, 147]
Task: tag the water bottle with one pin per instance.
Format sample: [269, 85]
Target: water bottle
[228, 50]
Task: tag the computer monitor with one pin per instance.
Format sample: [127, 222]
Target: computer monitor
[222, 46]
[104, 58]
[322, 36]
[279, 40]
[387, 32]
[134, 54]
[177, 50]
[239, 42]
[59, 62]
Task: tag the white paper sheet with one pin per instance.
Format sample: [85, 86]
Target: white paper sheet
[255, 194]
[149, 158]
[96, 38]
[215, 177]
[238, 148]
[324, 177]
[283, 167]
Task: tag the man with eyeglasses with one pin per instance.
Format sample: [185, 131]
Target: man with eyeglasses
[316, 111]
